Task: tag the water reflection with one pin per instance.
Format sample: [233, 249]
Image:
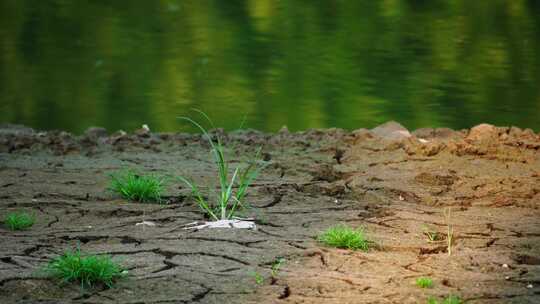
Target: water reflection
[71, 64]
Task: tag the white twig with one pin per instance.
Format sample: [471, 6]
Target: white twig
[233, 223]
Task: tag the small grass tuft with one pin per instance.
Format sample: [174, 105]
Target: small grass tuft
[19, 221]
[88, 270]
[137, 187]
[424, 282]
[345, 237]
[448, 300]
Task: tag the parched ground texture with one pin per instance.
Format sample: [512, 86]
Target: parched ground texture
[396, 185]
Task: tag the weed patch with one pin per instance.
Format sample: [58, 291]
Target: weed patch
[137, 187]
[424, 282]
[19, 221]
[345, 237]
[88, 270]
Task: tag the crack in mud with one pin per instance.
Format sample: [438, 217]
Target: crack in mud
[199, 296]
[275, 201]
[242, 243]
[168, 265]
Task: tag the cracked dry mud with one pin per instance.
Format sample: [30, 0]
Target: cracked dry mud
[392, 184]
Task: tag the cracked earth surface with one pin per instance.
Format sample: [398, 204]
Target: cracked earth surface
[395, 186]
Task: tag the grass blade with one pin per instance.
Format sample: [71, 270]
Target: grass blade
[198, 196]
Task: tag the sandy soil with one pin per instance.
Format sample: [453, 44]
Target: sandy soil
[393, 183]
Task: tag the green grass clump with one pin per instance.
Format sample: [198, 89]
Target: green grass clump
[448, 300]
[345, 237]
[19, 221]
[424, 282]
[233, 190]
[137, 187]
[88, 270]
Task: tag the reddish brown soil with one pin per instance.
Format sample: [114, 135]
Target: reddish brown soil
[393, 184]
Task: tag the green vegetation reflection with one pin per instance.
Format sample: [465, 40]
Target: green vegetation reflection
[349, 64]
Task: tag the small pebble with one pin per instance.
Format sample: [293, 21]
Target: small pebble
[507, 277]
[505, 265]
[529, 286]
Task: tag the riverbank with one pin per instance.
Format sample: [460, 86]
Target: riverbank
[396, 184]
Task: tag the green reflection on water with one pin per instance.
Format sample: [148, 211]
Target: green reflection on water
[349, 64]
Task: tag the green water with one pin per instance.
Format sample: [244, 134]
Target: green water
[350, 64]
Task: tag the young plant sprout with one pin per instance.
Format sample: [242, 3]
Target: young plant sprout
[259, 279]
[232, 189]
[432, 235]
[276, 265]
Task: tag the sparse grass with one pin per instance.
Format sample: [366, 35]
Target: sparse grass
[88, 270]
[274, 270]
[19, 221]
[345, 237]
[232, 191]
[424, 282]
[137, 187]
[448, 300]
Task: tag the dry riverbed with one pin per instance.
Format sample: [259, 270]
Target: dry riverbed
[395, 184]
